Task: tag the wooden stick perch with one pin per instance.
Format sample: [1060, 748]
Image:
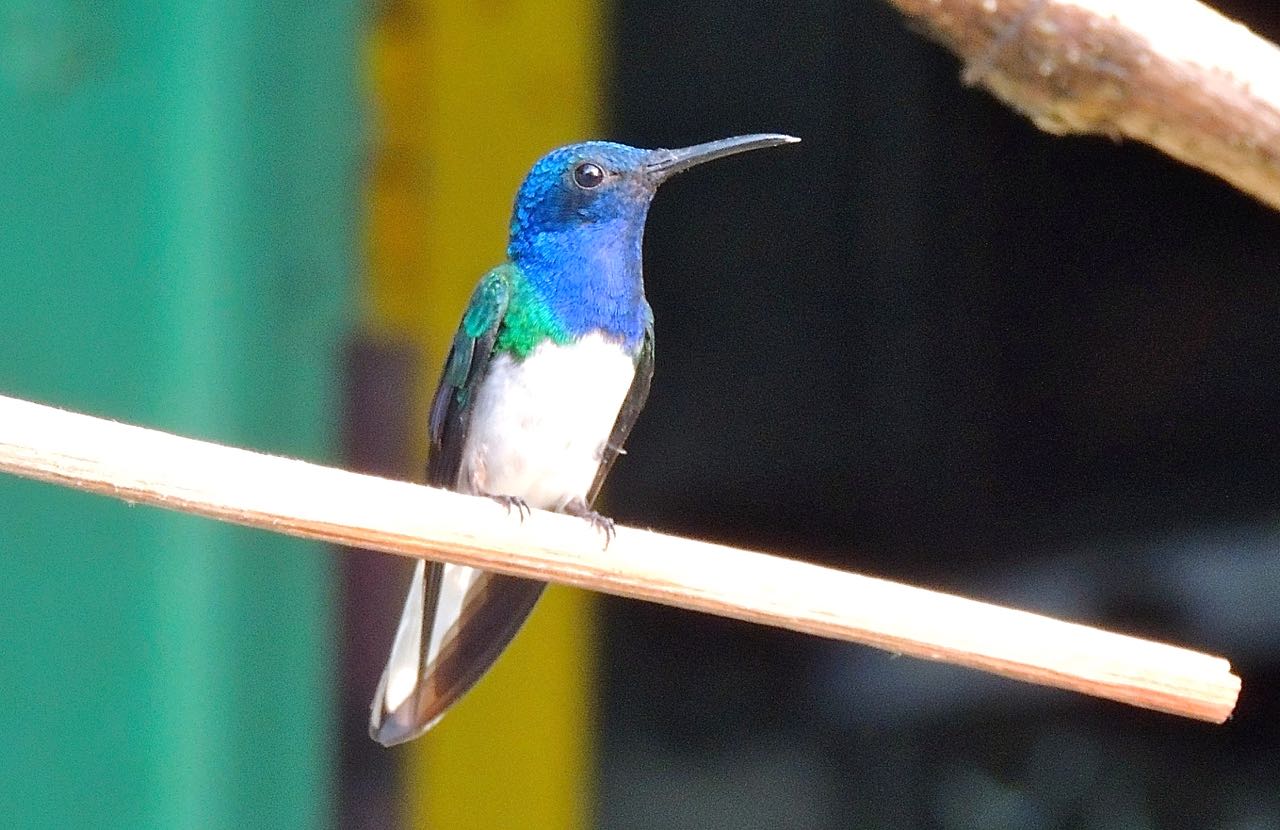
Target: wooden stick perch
[1172, 73]
[302, 499]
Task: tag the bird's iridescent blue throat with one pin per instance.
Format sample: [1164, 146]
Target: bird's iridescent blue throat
[577, 233]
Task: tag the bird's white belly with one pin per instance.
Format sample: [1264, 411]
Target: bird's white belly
[539, 425]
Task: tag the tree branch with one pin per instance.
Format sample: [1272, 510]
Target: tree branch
[1174, 73]
[301, 499]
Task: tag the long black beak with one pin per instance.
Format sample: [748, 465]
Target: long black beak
[663, 164]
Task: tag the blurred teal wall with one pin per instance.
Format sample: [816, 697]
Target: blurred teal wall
[178, 183]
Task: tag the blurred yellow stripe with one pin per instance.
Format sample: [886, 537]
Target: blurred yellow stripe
[469, 94]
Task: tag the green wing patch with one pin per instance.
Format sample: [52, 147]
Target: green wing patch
[463, 371]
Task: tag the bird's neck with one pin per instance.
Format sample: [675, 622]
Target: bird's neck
[588, 279]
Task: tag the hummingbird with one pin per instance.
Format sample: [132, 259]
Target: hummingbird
[547, 373]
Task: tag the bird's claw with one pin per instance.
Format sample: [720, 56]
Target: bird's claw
[520, 505]
[601, 523]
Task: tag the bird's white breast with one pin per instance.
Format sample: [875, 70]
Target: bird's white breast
[539, 425]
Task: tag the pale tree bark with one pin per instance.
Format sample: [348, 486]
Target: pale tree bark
[1172, 73]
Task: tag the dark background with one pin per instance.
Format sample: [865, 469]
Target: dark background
[935, 344]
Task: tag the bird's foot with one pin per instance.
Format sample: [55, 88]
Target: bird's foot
[604, 524]
[514, 502]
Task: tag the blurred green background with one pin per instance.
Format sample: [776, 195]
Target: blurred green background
[932, 343]
[177, 249]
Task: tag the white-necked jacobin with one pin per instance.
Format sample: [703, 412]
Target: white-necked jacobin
[548, 371]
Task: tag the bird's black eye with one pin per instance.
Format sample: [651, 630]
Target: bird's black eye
[588, 175]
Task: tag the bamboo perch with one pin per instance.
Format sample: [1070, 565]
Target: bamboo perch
[308, 500]
[1174, 74]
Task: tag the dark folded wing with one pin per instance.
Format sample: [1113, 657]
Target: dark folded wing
[464, 371]
[456, 620]
[631, 406]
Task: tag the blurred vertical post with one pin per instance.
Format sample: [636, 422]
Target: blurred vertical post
[175, 250]
[470, 94]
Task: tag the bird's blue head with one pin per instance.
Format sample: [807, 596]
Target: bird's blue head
[579, 189]
[578, 224]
